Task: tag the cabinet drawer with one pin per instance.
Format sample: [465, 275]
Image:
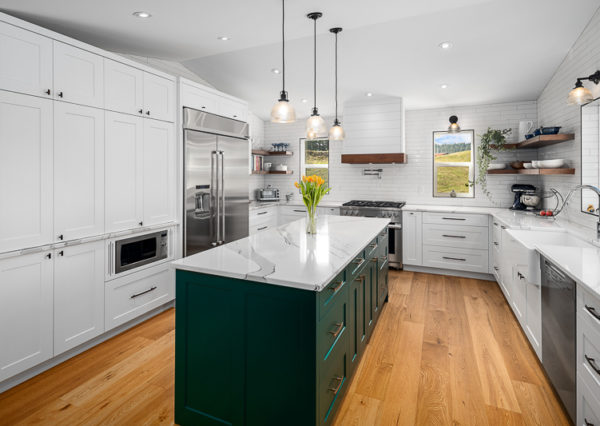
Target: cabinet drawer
[131, 296]
[329, 295]
[472, 237]
[333, 325]
[497, 232]
[356, 266]
[332, 381]
[372, 249]
[588, 404]
[458, 259]
[456, 219]
[588, 351]
[193, 97]
[588, 306]
[259, 228]
[261, 216]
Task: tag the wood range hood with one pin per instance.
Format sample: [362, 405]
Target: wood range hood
[374, 131]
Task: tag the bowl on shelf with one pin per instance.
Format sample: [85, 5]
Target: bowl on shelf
[527, 166]
[529, 135]
[496, 166]
[550, 130]
[517, 165]
[551, 164]
[280, 168]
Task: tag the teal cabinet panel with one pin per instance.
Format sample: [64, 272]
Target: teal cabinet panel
[333, 327]
[333, 382]
[328, 295]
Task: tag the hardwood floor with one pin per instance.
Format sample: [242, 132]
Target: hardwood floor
[446, 351]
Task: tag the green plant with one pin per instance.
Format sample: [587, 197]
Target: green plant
[492, 140]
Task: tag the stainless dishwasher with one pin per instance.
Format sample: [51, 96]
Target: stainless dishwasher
[558, 333]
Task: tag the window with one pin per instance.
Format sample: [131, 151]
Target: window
[453, 164]
[314, 158]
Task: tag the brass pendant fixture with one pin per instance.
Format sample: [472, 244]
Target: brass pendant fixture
[336, 133]
[315, 125]
[283, 111]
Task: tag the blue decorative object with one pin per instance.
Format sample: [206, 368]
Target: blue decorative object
[546, 131]
[529, 135]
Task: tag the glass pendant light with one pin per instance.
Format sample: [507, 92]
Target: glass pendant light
[315, 125]
[579, 95]
[453, 127]
[336, 133]
[282, 111]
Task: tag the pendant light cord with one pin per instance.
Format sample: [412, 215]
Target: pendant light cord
[336, 78]
[283, 43]
[315, 68]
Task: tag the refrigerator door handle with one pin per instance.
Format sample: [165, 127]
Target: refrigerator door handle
[222, 202]
[214, 195]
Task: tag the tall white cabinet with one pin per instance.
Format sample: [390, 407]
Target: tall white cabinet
[412, 240]
[123, 88]
[25, 171]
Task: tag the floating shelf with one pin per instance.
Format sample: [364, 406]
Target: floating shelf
[541, 141]
[393, 158]
[272, 153]
[532, 172]
[272, 172]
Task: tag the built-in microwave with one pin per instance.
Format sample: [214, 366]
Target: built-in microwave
[141, 250]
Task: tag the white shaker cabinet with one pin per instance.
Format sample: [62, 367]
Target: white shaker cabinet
[158, 172]
[78, 171]
[26, 64]
[412, 241]
[78, 76]
[159, 97]
[78, 295]
[123, 172]
[123, 88]
[25, 171]
[25, 312]
[233, 109]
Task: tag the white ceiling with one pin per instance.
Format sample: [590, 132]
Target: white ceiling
[504, 50]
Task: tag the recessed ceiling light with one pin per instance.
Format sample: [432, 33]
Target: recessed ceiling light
[275, 71]
[304, 101]
[223, 38]
[369, 94]
[141, 14]
[444, 86]
[445, 45]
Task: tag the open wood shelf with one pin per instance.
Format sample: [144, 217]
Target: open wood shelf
[272, 172]
[393, 158]
[540, 141]
[272, 153]
[532, 172]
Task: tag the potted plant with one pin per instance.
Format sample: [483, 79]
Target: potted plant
[313, 189]
[492, 140]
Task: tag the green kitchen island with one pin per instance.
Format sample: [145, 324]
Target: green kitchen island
[270, 328]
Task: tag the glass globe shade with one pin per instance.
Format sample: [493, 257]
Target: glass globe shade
[283, 112]
[579, 95]
[336, 133]
[454, 128]
[315, 127]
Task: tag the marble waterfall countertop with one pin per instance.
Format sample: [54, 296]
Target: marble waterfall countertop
[287, 255]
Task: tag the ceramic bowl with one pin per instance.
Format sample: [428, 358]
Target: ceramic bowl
[551, 164]
[529, 135]
[527, 165]
[516, 165]
[549, 130]
[497, 166]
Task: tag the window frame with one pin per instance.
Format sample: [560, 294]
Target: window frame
[470, 164]
[302, 145]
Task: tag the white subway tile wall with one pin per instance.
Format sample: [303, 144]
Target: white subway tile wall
[412, 182]
[582, 60]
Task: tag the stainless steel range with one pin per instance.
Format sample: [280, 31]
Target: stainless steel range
[387, 209]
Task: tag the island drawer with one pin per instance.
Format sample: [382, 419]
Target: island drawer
[454, 258]
[328, 297]
[357, 264]
[456, 219]
[332, 381]
[260, 216]
[450, 235]
[332, 327]
[372, 248]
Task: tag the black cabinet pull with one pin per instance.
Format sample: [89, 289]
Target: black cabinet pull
[592, 311]
[48, 92]
[49, 256]
[592, 362]
[203, 107]
[133, 296]
[61, 237]
[61, 253]
[260, 213]
[141, 223]
[454, 258]
[454, 218]
[587, 423]
[300, 211]
[141, 111]
[454, 236]
[147, 112]
[60, 94]
[261, 228]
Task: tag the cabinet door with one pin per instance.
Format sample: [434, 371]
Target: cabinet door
[373, 307]
[159, 97]
[534, 316]
[26, 64]
[356, 324]
[159, 172]
[412, 241]
[78, 171]
[25, 171]
[233, 109]
[123, 171]
[123, 88]
[25, 312]
[78, 295]
[78, 76]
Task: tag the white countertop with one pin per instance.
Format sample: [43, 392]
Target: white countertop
[287, 255]
[253, 205]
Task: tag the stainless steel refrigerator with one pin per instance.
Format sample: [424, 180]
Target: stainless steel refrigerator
[216, 167]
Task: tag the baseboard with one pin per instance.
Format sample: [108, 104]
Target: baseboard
[52, 362]
[451, 272]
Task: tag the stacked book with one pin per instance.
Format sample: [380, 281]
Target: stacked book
[257, 163]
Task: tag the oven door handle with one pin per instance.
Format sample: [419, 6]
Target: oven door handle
[394, 226]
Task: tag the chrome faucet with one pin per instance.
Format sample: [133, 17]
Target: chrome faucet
[590, 187]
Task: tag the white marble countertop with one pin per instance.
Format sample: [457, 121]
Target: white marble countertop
[253, 205]
[287, 255]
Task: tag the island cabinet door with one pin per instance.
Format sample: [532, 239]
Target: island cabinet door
[382, 278]
[372, 305]
[356, 323]
[245, 352]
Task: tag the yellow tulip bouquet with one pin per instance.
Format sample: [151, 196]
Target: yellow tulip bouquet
[313, 189]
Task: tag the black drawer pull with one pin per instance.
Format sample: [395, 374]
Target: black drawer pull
[339, 386]
[496, 268]
[47, 92]
[454, 218]
[503, 227]
[300, 211]
[337, 287]
[141, 111]
[593, 311]
[261, 228]
[260, 213]
[592, 363]
[587, 423]
[61, 253]
[60, 94]
[336, 333]
[454, 236]
[496, 243]
[454, 258]
[143, 292]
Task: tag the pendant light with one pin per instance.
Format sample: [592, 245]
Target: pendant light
[336, 133]
[282, 111]
[315, 125]
[453, 127]
[579, 95]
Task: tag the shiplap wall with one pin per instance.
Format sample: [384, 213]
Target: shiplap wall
[413, 181]
[582, 60]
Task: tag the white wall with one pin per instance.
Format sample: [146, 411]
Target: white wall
[257, 136]
[582, 60]
[413, 181]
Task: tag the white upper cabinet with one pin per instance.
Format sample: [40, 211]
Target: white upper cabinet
[159, 172]
[26, 61]
[209, 100]
[78, 171]
[25, 171]
[78, 76]
[25, 312]
[123, 88]
[78, 295]
[124, 174]
[159, 97]
[233, 109]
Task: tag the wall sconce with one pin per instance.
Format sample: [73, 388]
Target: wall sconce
[580, 95]
[453, 127]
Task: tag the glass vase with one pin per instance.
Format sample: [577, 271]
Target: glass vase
[311, 221]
